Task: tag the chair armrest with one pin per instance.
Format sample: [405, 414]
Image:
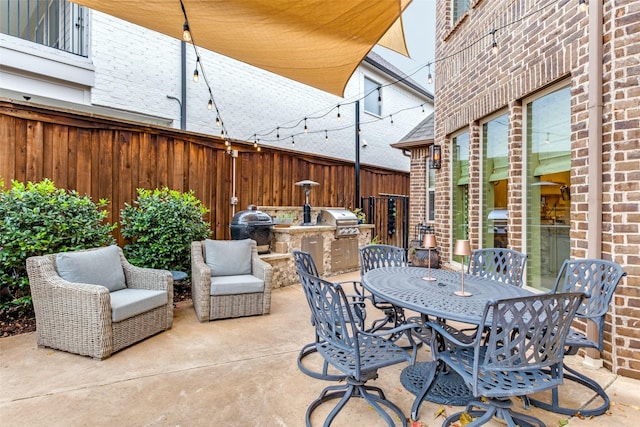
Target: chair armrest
[75, 317]
[391, 332]
[263, 270]
[200, 282]
[451, 334]
[146, 278]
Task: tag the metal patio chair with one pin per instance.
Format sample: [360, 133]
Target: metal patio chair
[598, 280]
[519, 357]
[305, 263]
[376, 256]
[346, 347]
[504, 265]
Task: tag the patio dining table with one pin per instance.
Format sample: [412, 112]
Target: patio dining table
[407, 287]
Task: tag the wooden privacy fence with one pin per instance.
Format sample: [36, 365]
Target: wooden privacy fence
[110, 159]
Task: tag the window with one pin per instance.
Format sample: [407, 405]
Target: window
[459, 7]
[495, 171]
[431, 193]
[548, 141]
[373, 97]
[54, 23]
[460, 191]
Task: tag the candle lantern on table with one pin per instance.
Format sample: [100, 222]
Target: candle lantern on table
[429, 242]
[462, 248]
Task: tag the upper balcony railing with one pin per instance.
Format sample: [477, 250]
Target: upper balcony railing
[54, 23]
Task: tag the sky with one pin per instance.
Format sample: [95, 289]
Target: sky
[419, 22]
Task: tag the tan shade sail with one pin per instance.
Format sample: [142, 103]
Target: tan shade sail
[316, 42]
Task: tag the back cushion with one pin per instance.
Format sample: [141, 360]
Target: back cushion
[228, 257]
[96, 267]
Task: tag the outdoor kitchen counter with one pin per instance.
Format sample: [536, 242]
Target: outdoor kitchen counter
[321, 241]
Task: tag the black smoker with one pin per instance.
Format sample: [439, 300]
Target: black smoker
[253, 224]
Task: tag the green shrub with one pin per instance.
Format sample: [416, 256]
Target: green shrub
[38, 219]
[161, 227]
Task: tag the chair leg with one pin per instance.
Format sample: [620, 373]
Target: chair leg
[498, 408]
[374, 396]
[575, 376]
[324, 375]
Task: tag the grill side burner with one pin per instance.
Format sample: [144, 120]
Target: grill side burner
[344, 220]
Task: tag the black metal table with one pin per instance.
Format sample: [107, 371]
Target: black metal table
[406, 287]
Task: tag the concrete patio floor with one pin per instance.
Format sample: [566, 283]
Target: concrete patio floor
[237, 372]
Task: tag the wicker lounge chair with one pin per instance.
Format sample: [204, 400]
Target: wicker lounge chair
[95, 303]
[228, 279]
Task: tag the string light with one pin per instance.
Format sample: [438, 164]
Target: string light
[196, 75]
[305, 125]
[379, 97]
[582, 5]
[186, 33]
[326, 136]
[494, 45]
[255, 144]
[218, 121]
[210, 104]
[278, 132]
[359, 131]
[293, 142]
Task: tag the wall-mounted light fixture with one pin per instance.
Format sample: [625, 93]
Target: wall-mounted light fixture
[435, 156]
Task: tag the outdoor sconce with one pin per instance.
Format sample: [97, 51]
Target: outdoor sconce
[435, 156]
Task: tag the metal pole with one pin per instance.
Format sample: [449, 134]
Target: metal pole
[183, 93]
[357, 204]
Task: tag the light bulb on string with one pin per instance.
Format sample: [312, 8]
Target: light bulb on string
[186, 33]
[196, 75]
[255, 144]
[359, 131]
[293, 143]
[582, 5]
[422, 106]
[305, 125]
[379, 97]
[326, 136]
[210, 104]
[429, 76]
[391, 116]
[218, 121]
[278, 132]
[338, 116]
[259, 148]
[494, 44]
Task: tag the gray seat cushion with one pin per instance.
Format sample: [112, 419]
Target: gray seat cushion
[231, 285]
[95, 267]
[129, 302]
[228, 257]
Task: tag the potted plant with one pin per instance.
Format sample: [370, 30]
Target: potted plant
[283, 220]
[362, 217]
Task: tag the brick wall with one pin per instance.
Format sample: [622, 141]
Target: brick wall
[542, 43]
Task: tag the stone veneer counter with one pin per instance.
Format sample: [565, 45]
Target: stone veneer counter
[318, 239]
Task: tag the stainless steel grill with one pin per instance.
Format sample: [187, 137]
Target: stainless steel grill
[344, 220]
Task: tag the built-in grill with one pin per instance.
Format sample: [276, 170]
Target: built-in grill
[344, 220]
[253, 224]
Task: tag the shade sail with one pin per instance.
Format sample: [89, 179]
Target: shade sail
[316, 42]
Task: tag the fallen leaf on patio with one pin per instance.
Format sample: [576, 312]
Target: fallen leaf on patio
[440, 413]
[465, 419]
[562, 423]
